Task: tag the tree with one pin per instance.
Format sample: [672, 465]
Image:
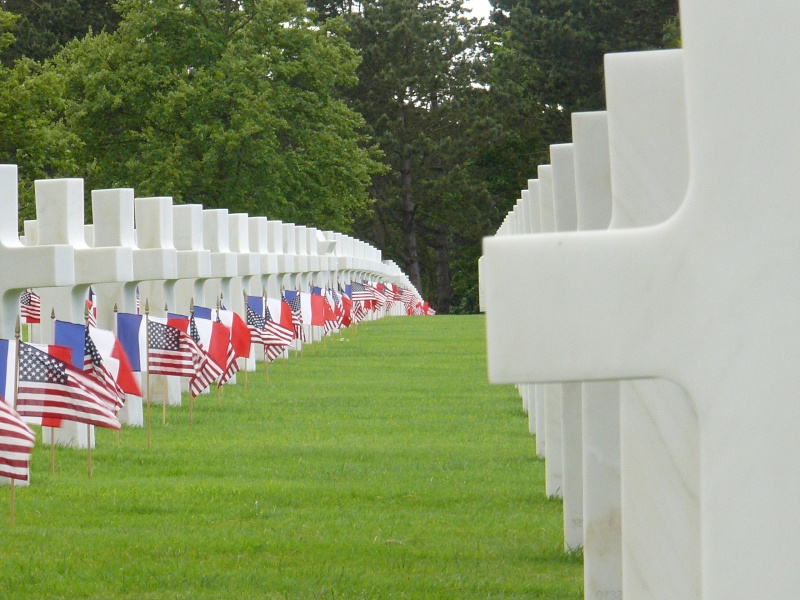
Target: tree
[416, 93]
[44, 27]
[547, 62]
[242, 113]
[32, 133]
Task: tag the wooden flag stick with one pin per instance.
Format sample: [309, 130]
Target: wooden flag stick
[88, 427]
[219, 387]
[17, 330]
[252, 346]
[166, 388]
[191, 395]
[89, 448]
[52, 429]
[147, 343]
[116, 310]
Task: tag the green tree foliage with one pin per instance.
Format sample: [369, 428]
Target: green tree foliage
[32, 133]
[44, 26]
[222, 102]
[416, 92]
[547, 62]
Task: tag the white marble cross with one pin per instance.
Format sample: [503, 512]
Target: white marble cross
[194, 261]
[223, 262]
[705, 299]
[259, 245]
[39, 265]
[602, 549]
[659, 451]
[59, 215]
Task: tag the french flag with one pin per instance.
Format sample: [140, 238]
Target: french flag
[112, 353]
[115, 360]
[214, 340]
[7, 363]
[239, 332]
[133, 338]
[281, 312]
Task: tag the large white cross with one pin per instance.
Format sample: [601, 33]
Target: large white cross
[194, 261]
[43, 265]
[659, 437]
[706, 299]
[223, 262]
[59, 215]
[602, 551]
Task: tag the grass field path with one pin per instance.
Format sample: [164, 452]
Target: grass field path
[378, 465]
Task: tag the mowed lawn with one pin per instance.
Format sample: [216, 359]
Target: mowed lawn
[378, 465]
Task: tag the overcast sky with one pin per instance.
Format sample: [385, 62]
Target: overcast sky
[480, 8]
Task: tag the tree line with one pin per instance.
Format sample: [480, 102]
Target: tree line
[404, 122]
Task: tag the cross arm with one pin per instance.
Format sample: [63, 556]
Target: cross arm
[574, 306]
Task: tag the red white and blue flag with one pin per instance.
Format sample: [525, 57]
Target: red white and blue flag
[30, 307]
[16, 444]
[49, 387]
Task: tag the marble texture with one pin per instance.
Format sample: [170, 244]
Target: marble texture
[650, 173]
[562, 159]
[59, 215]
[602, 519]
[701, 299]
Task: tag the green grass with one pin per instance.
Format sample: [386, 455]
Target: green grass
[381, 465]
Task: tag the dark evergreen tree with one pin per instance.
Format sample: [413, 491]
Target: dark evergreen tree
[45, 26]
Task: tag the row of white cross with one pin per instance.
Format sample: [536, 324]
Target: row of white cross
[652, 274]
[174, 254]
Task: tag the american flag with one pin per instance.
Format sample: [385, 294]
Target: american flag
[359, 311]
[30, 307]
[407, 297]
[338, 308]
[256, 324]
[360, 291]
[16, 444]
[208, 370]
[168, 351]
[297, 318]
[91, 308]
[278, 338]
[93, 365]
[50, 388]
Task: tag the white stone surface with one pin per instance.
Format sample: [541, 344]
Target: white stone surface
[700, 299]
[59, 215]
[39, 265]
[566, 219]
[602, 520]
[649, 166]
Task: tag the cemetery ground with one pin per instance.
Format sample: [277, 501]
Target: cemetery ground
[378, 465]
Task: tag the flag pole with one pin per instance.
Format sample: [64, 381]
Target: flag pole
[88, 427]
[252, 351]
[16, 391]
[116, 310]
[266, 360]
[147, 343]
[52, 429]
[191, 395]
[166, 387]
[219, 385]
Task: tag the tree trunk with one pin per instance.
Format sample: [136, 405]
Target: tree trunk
[445, 290]
[410, 225]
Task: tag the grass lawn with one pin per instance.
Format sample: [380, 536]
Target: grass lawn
[378, 465]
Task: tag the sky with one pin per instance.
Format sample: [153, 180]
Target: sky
[480, 8]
